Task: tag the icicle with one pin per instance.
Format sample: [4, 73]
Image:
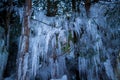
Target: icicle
[3, 57]
[109, 69]
[20, 10]
[59, 49]
[35, 55]
[19, 69]
[58, 67]
[62, 37]
[25, 67]
[1, 44]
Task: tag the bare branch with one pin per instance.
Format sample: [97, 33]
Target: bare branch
[42, 22]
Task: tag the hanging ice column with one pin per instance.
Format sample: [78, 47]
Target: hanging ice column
[90, 58]
[46, 51]
[3, 53]
[47, 59]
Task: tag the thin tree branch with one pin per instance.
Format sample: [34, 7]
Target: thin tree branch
[42, 22]
[36, 3]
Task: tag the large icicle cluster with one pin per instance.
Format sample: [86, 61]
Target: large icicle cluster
[45, 48]
[95, 61]
[78, 48]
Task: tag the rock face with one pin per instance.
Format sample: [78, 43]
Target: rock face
[3, 53]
